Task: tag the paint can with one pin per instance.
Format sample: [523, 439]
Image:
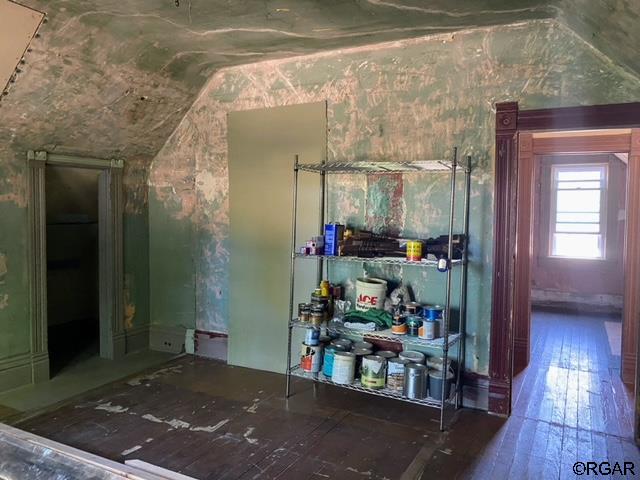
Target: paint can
[304, 312]
[415, 381]
[311, 358]
[370, 293]
[412, 356]
[373, 372]
[344, 367]
[413, 325]
[428, 330]
[360, 354]
[327, 364]
[312, 336]
[317, 315]
[414, 250]
[433, 312]
[399, 325]
[413, 308]
[324, 339]
[344, 343]
[436, 363]
[363, 344]
[435, 383]
[386, 354]
[395, 373]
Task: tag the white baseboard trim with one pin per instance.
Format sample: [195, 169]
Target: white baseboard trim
[167, 339]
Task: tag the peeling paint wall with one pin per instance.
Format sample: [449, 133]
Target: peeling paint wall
[408, 100]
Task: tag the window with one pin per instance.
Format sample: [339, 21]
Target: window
[578, 201]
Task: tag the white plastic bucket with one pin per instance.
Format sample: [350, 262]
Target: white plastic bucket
[370, 293]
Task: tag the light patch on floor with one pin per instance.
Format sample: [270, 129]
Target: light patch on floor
[249, 431]
[154, 375]
[131, 450]
[614, 335]
[107, 407]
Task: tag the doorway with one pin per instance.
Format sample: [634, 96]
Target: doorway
[73, 328]
[572, 374]
[516, 151]
[76, 261]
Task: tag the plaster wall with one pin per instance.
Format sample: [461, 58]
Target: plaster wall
[410, 100]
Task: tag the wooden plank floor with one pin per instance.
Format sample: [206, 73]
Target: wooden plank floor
[208, 420]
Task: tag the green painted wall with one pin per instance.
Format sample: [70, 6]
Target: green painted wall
[172, 289]
[14, 337]
[411, 99]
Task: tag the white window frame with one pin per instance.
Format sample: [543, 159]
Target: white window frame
[604, 182]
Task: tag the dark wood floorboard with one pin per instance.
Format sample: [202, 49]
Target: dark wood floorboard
[209, 420]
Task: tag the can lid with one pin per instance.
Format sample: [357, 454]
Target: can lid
[375, 358]
[362, 351]
[434, 372]
[386, 354]
[402, 361]
[363, 345]
[345, 354]
[416, 366]
[412, 355]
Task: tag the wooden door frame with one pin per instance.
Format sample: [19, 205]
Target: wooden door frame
[511, 269]
[110, 240]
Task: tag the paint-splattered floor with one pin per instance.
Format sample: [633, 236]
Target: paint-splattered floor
[208, 420]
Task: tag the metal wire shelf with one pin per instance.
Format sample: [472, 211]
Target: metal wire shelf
[387, 336]
[373, 167]
[379, 260]
[379, 168]
[356, 386]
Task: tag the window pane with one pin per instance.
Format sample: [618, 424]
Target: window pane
[578, 201]
[578, 227]
[579, 173]
[578, 185]
[572, 217]
[578, 245]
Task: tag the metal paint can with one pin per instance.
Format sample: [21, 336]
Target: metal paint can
[327, 364]
[312, 336]
[435, 383]
[412, 356]
[415, 381]
[433, 312]
[436, 363]
[311, 358]
[304, 312]
[414, 250]
[345, 343]
[399, 325]
[413, 308]
[373, 372]
[413, 325]
[395, 373]
[387, 354]
[317, 315]
[362, 344]
[325, 339]
[344, 367]
[428, 330]
[360, 354]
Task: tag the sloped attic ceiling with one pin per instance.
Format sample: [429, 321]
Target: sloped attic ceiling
[115, 77]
